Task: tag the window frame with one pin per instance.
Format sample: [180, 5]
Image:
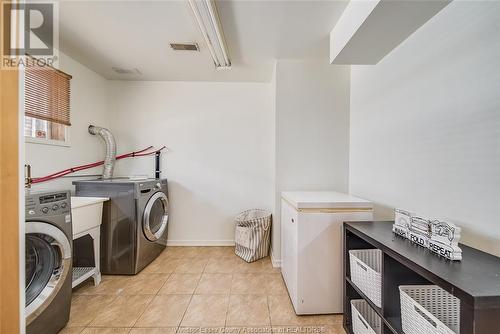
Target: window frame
[50, 142]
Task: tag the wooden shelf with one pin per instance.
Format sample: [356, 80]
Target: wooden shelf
[348, 329]
[368, 300]
[474, 280]
[394, 323]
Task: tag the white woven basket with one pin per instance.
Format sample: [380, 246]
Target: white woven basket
[364, 319]
[429, 309]
[366, 272]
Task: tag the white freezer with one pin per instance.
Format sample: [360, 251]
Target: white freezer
[311, 246]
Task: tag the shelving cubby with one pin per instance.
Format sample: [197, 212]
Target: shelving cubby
[475, 280]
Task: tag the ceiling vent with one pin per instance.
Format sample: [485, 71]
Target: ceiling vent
[121, 70]
[184, 46]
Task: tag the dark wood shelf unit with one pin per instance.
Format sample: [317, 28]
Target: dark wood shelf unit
[362, 295]
[475, 280]
[394, 324]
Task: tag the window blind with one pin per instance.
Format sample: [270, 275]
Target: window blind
[47, 94]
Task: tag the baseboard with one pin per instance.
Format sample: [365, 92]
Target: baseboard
[200, 242]
[276, 263]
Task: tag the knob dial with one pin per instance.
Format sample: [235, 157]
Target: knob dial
[55, 207]
[64, 205]
[45, 209]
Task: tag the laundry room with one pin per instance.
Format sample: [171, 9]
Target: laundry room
[237, 166]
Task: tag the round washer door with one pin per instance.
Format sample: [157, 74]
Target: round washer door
[48, 260]
[155, 218]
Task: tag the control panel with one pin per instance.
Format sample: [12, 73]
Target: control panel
[49, 204]
[150, 185]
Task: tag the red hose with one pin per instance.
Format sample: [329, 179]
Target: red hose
[136, 152]
[149, 153]
[62, 173]
[98, 163]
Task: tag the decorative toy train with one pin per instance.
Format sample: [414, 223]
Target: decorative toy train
[438, 236]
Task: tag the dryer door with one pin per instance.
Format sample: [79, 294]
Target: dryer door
[48, 261]
[155, 218]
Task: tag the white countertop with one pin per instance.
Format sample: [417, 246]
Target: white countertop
[78, 202]
[323, 200]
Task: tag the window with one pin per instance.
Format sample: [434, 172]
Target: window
[47, 104]
[41, 129]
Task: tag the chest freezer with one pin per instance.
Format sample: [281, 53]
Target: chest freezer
[312, 246]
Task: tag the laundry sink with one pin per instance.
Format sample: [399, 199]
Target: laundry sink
[86, 213]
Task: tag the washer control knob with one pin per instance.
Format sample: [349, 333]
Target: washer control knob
[31, 212]
[158, 185]
[45, 209]
[55, 207]
[64, 205]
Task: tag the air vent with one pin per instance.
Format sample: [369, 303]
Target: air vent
[184, 46]
[120, 70]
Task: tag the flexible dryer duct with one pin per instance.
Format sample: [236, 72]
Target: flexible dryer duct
[109, 140]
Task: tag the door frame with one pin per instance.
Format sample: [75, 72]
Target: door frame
[11, 309]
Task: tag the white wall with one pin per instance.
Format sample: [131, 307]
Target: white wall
[312, 130]
[221, 152]
[88, 105]
[425, 124]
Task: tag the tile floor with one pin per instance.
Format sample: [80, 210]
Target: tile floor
[191, 290]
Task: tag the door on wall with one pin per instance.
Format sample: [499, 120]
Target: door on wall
[10, 302]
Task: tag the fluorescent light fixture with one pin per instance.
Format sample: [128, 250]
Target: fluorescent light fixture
[205, 14]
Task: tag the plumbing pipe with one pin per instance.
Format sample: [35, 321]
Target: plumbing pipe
[126, 155]
[109, 140]
[157, 164]
[27, 176]
[95, 164]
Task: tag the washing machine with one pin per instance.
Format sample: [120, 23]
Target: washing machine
[135, 221]
[48, 240]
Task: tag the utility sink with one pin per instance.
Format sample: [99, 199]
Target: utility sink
[86, 213]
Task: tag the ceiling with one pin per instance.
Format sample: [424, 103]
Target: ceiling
[136, 34]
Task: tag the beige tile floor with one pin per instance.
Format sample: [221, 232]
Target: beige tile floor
[191, 290]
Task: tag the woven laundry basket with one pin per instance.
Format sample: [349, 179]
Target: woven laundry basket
[429, 309]
[366, 272]
[364, 319]
[253, 234]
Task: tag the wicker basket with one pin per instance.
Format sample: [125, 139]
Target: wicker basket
[366, 272]
[364, 319]
[429, 309]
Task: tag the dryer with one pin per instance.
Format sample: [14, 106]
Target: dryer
[48, 273]
[135, 221]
